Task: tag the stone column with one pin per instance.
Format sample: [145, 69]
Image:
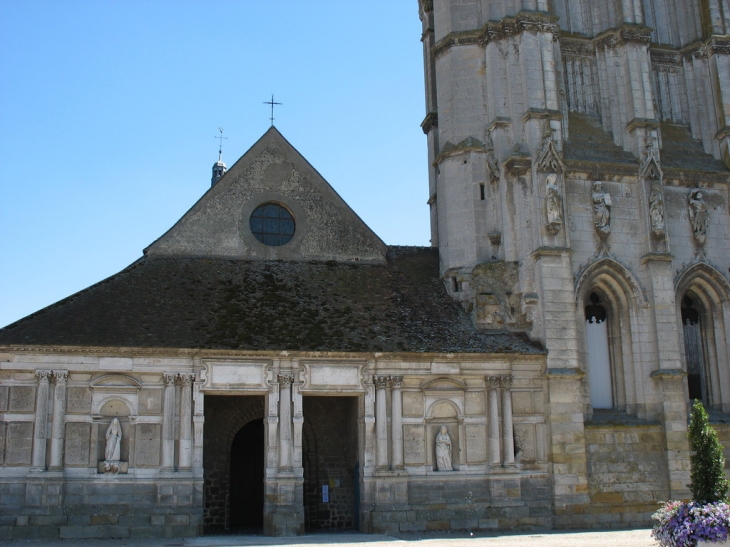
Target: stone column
[285, 423]
[59, 419]
[396, 410]
[186, 424]
[493, 428]
[41, 420]
[381, 421]
[508, 441]
[198, 422]
[168, 421]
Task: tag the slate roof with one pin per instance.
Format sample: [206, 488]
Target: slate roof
[192, 303]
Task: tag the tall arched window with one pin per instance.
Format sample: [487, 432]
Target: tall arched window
[693, 350]
[599, 358]
[703, 298]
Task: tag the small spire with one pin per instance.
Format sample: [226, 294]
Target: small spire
[219, 168]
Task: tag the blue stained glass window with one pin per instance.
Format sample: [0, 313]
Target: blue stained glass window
[272, 224]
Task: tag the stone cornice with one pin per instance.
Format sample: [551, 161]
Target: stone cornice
[576, 46]
[499, 30]
[665, 56]
[250, 354]
[429, 122]
[565, 373]
[625, 34]
[717, 44]
[668, 373]
[469, 144]
[517, 165]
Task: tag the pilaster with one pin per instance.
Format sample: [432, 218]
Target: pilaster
[59, 419]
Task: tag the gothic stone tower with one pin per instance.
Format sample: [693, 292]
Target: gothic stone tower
[578, 186]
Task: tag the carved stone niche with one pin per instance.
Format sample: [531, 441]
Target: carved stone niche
[444, 398]
[114, 426]
[114, 396]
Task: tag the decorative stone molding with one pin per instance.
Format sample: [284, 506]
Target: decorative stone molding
[505, 382]
[622, 35]
[668, 374]
[469, 144]
[577, 47]
[493, 31]
[169, 378]
[565, 373]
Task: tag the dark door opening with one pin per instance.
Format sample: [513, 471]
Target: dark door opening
[246, 492]
[329, 458]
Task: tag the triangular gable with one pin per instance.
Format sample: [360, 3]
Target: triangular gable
[272, 171]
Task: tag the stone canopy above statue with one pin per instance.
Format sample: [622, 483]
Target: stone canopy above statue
[271, 205]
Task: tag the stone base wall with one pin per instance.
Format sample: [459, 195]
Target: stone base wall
[46, 508]
[627, 475]
[479, 503]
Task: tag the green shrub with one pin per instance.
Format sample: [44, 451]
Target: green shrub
[709, 482]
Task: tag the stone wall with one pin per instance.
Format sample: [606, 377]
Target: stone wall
[501, 500]
[627, 474]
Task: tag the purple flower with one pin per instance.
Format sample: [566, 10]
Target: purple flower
[682, 524]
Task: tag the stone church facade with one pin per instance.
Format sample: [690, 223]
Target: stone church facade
[270, 362]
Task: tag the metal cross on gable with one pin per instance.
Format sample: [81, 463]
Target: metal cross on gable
[272, 103]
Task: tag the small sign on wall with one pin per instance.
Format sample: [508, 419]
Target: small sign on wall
[325, 493]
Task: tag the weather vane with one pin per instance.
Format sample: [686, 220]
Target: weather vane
[272, 103]
[220, 143]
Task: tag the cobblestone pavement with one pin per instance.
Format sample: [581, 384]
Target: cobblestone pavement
[623, 538]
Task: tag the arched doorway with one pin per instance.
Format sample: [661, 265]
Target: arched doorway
[246, 493]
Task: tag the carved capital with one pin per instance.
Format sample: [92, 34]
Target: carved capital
[493, 382]
[43, 375]
[396, 381]
[285, 380]
[187, 379]
[60, 376]
[169, 378]
[505, 382]
[381, 382]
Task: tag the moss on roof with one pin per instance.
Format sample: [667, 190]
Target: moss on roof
[259, 305]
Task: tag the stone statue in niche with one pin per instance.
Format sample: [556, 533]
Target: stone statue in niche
[656, 211]
[601, 209]
[113, 441]
[698, 215]
[113, 450]
[443, 450]
[552, 204]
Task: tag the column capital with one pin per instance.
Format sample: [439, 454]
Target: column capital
[61, 376]
[381, 382]
[186, 379]
[493, 382]
[169, 378]
[285, 380]
[396, 381]
[43, 375]
[505, 382]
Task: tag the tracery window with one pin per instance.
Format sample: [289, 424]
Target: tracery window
[693, 350]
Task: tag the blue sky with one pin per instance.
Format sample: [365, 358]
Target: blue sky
[108, 112]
